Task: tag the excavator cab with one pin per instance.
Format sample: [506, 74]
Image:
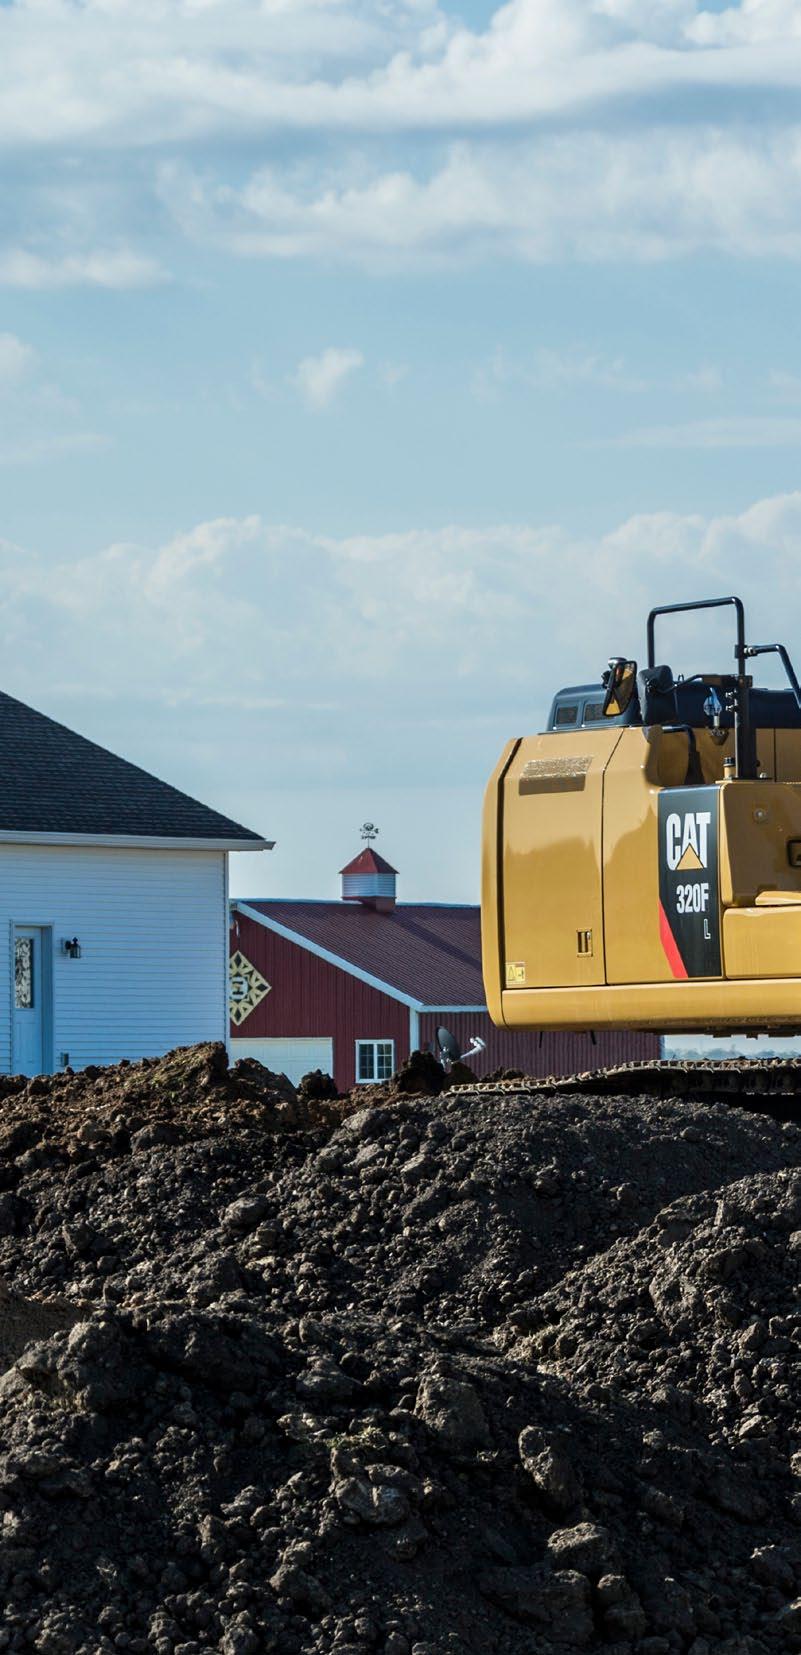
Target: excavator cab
[642, 856]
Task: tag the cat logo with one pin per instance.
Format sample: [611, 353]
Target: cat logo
[687, 841]
[689, 907]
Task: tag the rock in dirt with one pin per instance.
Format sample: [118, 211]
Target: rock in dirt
[587, 1547]
[452, 1410]
[548, 1466]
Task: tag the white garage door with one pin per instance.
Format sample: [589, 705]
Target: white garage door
[293, 1058]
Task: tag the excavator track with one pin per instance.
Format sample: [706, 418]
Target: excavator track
[749, 1082]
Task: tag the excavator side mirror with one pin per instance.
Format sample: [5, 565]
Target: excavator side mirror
[619, 682]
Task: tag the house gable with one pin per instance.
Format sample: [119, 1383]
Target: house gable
[56, 787]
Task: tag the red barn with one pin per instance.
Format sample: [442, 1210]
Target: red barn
[351, 987]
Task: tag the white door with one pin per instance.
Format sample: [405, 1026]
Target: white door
[30, 1000]
[293, 1058]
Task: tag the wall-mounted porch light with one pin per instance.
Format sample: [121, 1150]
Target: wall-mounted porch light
[71, 947]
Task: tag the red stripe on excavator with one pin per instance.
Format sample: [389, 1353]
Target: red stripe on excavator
[670, 945]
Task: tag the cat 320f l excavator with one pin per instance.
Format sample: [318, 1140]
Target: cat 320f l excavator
[642, 857]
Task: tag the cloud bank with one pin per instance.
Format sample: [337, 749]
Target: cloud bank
[392, 133]
[281, 659]
[148, 71]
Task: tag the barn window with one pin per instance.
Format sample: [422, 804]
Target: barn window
[375, 1060]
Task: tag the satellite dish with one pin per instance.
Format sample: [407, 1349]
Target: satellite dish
[449, 1049]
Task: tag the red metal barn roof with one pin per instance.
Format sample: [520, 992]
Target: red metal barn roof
[368, 861]
[428, 951]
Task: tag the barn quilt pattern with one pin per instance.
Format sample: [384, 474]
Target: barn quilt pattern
[246, 988]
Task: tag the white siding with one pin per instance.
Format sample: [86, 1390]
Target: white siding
[153, 929]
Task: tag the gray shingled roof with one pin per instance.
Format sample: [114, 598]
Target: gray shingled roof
[54, 781]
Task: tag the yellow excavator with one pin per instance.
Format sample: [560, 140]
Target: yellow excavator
[642, 856]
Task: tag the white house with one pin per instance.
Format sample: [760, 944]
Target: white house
[114, 895]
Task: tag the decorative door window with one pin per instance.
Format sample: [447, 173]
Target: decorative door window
[375, 1061]
[23, 973]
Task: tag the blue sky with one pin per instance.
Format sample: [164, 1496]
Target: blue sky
[369, 367]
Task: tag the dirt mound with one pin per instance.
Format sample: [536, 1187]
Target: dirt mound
[432, 1377]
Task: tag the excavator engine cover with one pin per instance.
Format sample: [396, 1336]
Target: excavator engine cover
[642, 856]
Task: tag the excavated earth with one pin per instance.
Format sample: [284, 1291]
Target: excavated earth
[403, 1373]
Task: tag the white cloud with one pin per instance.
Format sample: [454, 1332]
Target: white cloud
[319, 378]
[259, 380]
[553, 370]
[37, 421]
[667, 21]
[564, 370]
[53, 445]
[159, 70]
[587, 196]
[393, 373]
[146, 72]
[707, 379]
[753, 22]
[16, 360]
[149, 73]
[330, 658]
[265, 669]
[117, 268]
[784, 385]
[732, 431]
[535, 138]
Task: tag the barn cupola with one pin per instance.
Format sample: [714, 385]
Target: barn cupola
[369, 879]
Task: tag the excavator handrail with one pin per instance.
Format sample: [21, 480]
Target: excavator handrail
[745, 753]
[701, 603]
[779, 649]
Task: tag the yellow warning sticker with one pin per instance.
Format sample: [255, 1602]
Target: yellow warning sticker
[515, 973]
